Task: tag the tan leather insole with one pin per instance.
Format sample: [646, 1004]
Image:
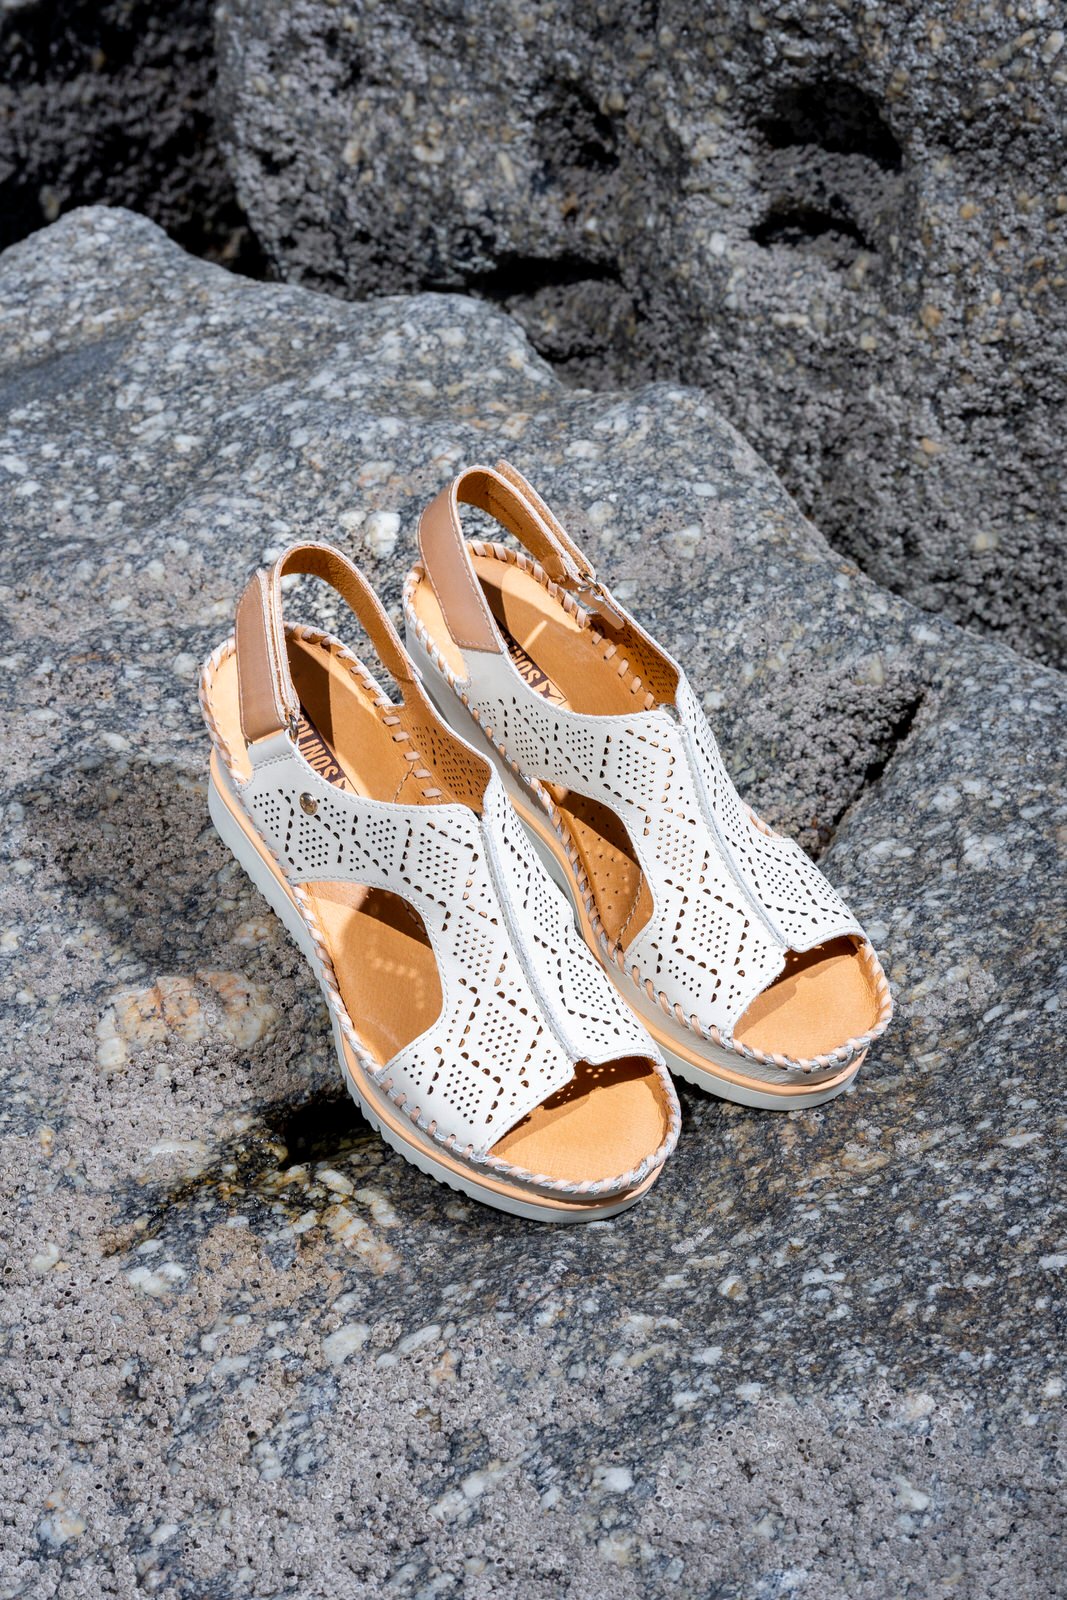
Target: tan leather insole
[604, 1122]
[585, 680]
[622, 897]
[343, 713]
[385, 965]
[823, 997]
[601, 1124]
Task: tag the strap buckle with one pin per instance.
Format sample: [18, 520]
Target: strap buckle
[591, 593]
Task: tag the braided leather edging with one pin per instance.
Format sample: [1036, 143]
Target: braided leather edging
[840, 1057]
[605, 1187]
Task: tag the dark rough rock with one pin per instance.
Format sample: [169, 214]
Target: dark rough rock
[844, 220]
[246, 1351]
[115, 102]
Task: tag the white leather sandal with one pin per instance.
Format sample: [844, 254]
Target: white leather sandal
[475, 1030]
[750, 973]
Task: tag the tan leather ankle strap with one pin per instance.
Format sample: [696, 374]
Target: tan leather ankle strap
[561, 541]
[506, 495]
[268, 701]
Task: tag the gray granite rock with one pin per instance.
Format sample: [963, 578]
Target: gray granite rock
[247, 1352]
[115, 102]
[844, 220]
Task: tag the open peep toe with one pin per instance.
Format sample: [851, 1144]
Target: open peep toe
[473, 1027]
[749, 971]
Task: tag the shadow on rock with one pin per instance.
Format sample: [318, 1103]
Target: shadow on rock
[196, 960]
[130, 843]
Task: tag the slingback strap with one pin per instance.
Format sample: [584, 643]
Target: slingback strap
[583, 566]
[505, 494]
[587, 586]
[268, 701]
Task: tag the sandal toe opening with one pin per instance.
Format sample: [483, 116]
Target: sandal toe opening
[603, 1124]
[822, 999]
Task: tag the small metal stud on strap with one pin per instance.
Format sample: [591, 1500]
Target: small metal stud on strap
[590, 593]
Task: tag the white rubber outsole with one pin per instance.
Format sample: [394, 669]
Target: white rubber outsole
[285, 908]
[788, 1097]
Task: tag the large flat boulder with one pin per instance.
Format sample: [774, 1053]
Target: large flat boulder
[251, 1352]
[846, 221]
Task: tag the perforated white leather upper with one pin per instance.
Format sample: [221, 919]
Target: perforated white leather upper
[523, 999]
[728, 899]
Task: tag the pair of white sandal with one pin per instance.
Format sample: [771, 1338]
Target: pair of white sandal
[510, 1039]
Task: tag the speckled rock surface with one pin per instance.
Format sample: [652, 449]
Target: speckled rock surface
[845, 220]
[115, 102]
[248, 1353]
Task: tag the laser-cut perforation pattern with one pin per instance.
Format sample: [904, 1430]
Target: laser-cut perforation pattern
[455, 770]
[802, 905]
[523, 999]
[728, 901]
[708, 939]
[589, 1016]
